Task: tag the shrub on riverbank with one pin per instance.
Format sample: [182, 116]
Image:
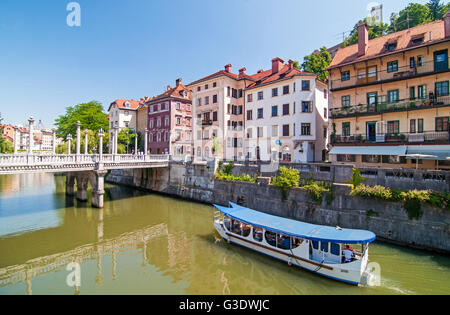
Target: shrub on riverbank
[316, 191]
[232, 178]
[289, 178]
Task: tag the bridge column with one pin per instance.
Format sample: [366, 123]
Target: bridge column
[135, 142]
[70, 184]
[54, 141]
[69, 139]
[98, 188]
[116, 135]
[86, 142]
[82, 186]
[78, 138]
[30, 138]
[101, 134]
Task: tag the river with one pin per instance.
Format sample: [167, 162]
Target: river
[143, 243]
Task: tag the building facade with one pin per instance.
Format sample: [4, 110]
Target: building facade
[122, 114]
[170, 121]
[286, 115]
[390, 102]
[218, 101]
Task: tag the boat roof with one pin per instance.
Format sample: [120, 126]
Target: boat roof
[297, 228]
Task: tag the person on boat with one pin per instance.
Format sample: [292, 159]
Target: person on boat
[348, 254]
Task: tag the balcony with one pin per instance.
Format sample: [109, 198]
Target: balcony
[383, 76]
[435, 137]
[385, 107]
[207, 122]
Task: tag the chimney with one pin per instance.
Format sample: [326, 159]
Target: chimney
[363, 38]
[168, 87]
[277, 63]
[242, 71]
[291, 64]
[178, 81]
[260, 71]
[228, 68]
[447, 24]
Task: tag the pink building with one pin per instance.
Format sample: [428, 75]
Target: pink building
[170, 121]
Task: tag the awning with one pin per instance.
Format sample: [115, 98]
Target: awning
[369, 150]
[429, 152]
[297, 228]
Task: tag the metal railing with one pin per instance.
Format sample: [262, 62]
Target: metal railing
[404, 137]
[397, 106]
[402, 72]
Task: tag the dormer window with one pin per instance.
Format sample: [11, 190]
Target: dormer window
[417, 41]
[127, 104]
[391, 46]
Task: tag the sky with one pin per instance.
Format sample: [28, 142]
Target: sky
[135, 48]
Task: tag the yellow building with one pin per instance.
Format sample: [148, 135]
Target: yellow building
[390, 102]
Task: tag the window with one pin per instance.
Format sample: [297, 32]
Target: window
[178, 106]
[335, 249]
[306, 107]
[206, 86]
[412, 92]
[274, 111]
[283, 241]
[214, 99]
[260, 132]
[285, 130]
[158, 122]
[305, 85]
[250, 98]
[234, 93]
[306, 129]
[285, 89]
[345, 129]
[442, 88]
[239, 93]
[442, 124]
[198, 89]
[420, 61]
[260, 113]
[393, 96]
[275, 131]
[257, 234]
[151, 123]
[325, 113]
[420, 125]
[271, 238]
[166, 121]
[422, 91]
[345, 101]
[285, 109]
[206, 100]
[412, 62]
[127, 124]
[228, 91]
[214, 84]
[199, 102]
[345, 76]
[274, 92]
[391, 46]
[325, 94]
[249, 133]
[324, 247]
[214, 116]
[412, 126]
[250, 115]
[346, 158]
[392, 66]
[393, 127]
[260, 95]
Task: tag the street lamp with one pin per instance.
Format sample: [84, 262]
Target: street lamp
[127, 141]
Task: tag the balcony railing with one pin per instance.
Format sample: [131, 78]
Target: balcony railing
[397, 138]
[401, 105]
[379, 76]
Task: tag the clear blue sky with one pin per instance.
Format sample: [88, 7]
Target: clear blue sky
[135, 48]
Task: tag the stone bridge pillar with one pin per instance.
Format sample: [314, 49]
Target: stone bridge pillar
[70, 184]
[98, 188]
[82, 186]
[97, 181]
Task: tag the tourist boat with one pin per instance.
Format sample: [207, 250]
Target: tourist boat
[320, 249]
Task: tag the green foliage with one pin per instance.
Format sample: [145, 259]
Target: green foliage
[317, 63]
[90, 115]
[436, 9]
[288, 179]
[126, 136]
[229, 168]
[416, 13]
[232, 178]
[413, 208]
[6, 146]
[357, 179]
[316, 191]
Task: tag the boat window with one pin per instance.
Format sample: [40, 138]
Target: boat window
[296, 242]
[257, 234]
[246, 228]
[227, 223]
[315, 244]
[324, 247]
[271, 238]
[335, 249]
[283, 241]
[236, 227]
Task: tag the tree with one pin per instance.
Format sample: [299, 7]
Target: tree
[90, 115]
[122, 141]
[317, 62]
[375, 30]
[445, 8]
[436, 9]
[414, 14]
[6, 146]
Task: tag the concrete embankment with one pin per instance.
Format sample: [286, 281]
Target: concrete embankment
[388, 220]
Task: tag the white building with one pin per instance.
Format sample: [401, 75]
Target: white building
[122, 114]
[286, 115]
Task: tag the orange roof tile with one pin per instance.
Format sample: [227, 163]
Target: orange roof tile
[432, 33]
[176, 92]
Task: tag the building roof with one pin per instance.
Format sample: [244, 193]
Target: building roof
[216, 75]
[133, 105]
[432, 33]
[175, 92]
[267, 77]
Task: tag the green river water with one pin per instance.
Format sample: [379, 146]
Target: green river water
[142, 243]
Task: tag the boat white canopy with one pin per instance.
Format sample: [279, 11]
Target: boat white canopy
[297, 229]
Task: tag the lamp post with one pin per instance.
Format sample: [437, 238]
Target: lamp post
[54, 140]
[86, 142]
[78, 137]
[30, 138]
[127, 141]
[135, 142]
[69, 139]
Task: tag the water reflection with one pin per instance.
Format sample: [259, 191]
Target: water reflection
[148, 244]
